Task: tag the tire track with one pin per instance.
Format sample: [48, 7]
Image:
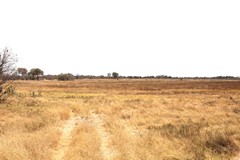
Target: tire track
[66, 137]
[107, 152]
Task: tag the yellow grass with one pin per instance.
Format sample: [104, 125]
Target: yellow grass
[141, 119]
[85, 144]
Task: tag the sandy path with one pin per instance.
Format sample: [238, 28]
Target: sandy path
[107, 152]
[66, 137]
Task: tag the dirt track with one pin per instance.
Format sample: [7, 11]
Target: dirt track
[107, 152]
[66, 137]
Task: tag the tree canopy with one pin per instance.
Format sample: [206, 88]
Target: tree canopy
[115, 75]
[22, 71]
[35, 73]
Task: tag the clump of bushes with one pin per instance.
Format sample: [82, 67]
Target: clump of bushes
[66, 77]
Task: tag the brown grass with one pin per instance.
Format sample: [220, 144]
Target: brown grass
[147, 119]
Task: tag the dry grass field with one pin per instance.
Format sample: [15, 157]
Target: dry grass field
[121, 120]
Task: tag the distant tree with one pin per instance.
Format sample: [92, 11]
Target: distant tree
[109, 74]
[115, 75]
[35, 72]
[77, 76]
[66, 77]
[22, 71]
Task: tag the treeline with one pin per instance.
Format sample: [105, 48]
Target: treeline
[70, 76]
[38, 74]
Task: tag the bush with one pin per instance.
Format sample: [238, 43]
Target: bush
[66, 77]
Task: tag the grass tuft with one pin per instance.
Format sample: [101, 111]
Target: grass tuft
[221, 144]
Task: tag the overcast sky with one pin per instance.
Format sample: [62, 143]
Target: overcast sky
[131, 37]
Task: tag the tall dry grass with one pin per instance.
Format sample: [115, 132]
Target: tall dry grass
[147, 119]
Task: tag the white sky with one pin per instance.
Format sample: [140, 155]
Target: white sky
[131, 37]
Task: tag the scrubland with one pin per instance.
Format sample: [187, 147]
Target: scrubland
[141, 119]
